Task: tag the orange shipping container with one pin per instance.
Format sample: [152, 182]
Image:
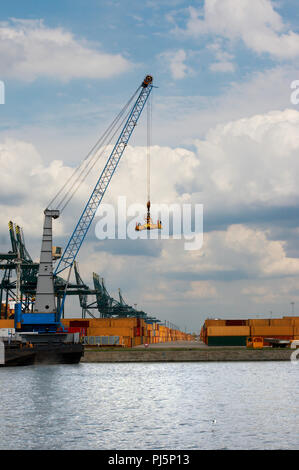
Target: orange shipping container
[123, 322]
[286, 330]
[7, 324]
[228, 331]
[258, 322]
[127, 340]
[100, 323]
[209, 322]
[110, 332]
[281, 322]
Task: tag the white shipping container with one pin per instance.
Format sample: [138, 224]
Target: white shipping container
[6, 332]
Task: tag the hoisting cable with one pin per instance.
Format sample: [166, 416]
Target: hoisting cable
[90, 160]
[70, 194]
[148, 225]
[85, 164]
[148, 156]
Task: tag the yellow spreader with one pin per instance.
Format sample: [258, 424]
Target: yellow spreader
[149, 223]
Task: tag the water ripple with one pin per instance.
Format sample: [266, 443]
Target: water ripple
[150, 406]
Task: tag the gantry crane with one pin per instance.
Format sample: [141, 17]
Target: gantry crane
[46, 315]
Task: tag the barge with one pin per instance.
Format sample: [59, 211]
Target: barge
[21, 349]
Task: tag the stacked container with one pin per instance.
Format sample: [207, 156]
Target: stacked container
[133, 331]
[234, 332]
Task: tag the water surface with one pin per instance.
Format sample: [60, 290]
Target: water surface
[150, 406]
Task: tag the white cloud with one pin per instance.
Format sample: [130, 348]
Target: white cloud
[223, 59]
[28, 185]
[175, 61]
[201, 290]
[181, 119]
[222, 66]
[251, 161]
[268, 257]
[282, 291]
[241, 164]
[260, 27]
[169, 167]
[29, 49]
[239, 249]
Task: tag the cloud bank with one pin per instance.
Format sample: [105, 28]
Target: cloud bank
[29, 50]
[240, 168]
[260, 28]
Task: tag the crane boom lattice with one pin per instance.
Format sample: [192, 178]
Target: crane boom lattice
[96, 197]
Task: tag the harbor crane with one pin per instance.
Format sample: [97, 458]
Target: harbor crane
[46, 316]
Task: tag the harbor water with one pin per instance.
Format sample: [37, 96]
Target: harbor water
[245, 405]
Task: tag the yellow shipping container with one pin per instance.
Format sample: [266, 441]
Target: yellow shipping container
[228, 331]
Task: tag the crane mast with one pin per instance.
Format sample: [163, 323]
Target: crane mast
[45, 316]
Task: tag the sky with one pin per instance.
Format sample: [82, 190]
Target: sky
[224, 135]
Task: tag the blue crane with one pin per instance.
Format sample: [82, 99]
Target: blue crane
[45, 315]
[100, 188]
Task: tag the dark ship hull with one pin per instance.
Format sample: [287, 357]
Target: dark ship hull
[58, 354]
[16, 356]
[41, 349]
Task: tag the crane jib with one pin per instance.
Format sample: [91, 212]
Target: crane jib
[102, 184]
